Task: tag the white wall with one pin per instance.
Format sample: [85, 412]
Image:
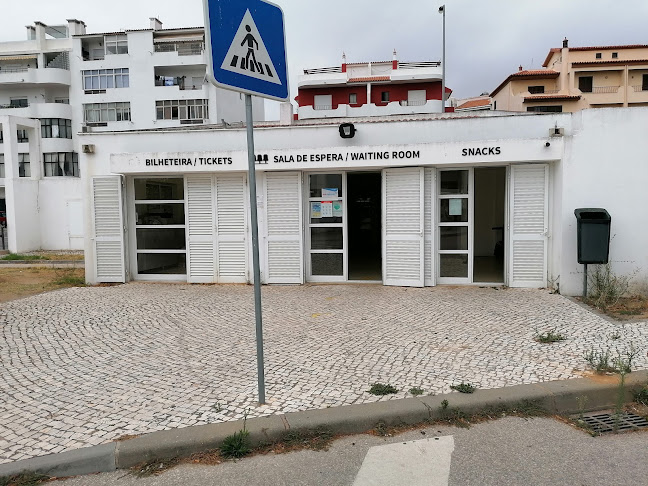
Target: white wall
[607, 167]
[54, 195]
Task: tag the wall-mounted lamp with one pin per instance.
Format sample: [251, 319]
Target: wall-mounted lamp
[547, 144]
[347, 130]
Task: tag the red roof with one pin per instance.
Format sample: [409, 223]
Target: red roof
[474, 103]
[593, 48]
[613, 61]
[537, 73]
[369, 79]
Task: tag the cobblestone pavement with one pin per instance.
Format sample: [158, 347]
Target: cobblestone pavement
[85, 366]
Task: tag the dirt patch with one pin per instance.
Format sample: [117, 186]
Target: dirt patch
[633, 308]
[16, 283]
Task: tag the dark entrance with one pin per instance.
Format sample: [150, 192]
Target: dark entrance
[365, 225]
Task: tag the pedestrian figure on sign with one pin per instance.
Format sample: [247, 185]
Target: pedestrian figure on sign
[251, 42]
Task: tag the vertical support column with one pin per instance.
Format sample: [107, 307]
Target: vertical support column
[35, 162]
[626, 85]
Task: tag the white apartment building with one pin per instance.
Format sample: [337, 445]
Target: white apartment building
[63, 81]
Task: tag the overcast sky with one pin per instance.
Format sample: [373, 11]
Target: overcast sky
[486, 39]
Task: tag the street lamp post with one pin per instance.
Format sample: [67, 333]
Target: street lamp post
[443, 65]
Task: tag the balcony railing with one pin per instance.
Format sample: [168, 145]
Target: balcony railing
[182, 83]
[14, 106]
[605, 89]
[21, 69]
[638, 87]
[182, 48]
[412, 103]
[322, 107]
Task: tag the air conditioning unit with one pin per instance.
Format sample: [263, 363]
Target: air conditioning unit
[88, 149]
[85, 128]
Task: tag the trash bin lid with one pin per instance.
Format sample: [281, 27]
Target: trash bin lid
[592, 214]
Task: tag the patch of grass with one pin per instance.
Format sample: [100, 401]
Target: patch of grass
[641, 396]
[20, 257]
[416, 391]
[550, 336]
[382, 389]
[464, 387]
[603, 362]
[153, 468]
[26, 478]
[66, 277]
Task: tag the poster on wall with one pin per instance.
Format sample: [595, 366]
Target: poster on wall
[337, 209]
[330, 192]
[455, 207]
[327, 209]
[316, 210]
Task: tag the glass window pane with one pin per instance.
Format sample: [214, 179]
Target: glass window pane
[159, 189]
[160, 213]
[327, 264]
[454, 210]
[161, 239]
[331, 182]
[454, 237]
[326, 239]
[453, 266]
[158, 264]
[326, 211]
[454, 182]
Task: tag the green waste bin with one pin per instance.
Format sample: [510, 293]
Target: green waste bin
[593, 228]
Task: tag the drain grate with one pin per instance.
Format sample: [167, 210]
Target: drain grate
[609, 422]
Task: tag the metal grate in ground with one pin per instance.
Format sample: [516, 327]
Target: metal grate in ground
[609, 422]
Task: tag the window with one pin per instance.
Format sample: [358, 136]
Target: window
[353, 99]
[102, 79]
[323, 102]
[599, 55]
[644, 84]
[545, 109]
[19, 103]
[615, 55]
[22, 136]
[2, 173]
[63, 101]
[384, 96]
[56, 128]
[116, 44]
[62, 164]
[536, 89]
[183, 110]
[24, 168]
[585, 84]
[106, 112]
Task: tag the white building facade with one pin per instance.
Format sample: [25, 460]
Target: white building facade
[417, 202]
[62, 81]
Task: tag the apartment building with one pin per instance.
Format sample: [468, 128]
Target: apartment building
[370, 89]
[63, 81]
[575, 78]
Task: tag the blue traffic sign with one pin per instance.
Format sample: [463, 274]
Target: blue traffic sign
[246, 47]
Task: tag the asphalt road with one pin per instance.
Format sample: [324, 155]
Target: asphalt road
[510, 451]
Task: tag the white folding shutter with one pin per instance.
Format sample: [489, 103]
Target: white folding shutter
[403, 227]
[201, 266]
[231, 228]
[430, 195]
[108, 229]
[529, 225]
[284, 253]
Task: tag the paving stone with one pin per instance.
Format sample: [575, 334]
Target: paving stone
[84, 366]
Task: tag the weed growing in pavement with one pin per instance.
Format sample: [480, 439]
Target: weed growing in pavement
[317, 439]
[550, 336]
[217, 407]
[238, 444]
[464, 387]
[444, 404]
[382, 389]
[603, 362]
[606, 288]
[153, 468]
[416, 391]
[26, 478]
[381, 429]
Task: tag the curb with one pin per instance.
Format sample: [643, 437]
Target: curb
[557, 397]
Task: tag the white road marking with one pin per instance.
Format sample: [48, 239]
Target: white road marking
[415, 463]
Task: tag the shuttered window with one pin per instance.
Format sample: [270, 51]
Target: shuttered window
[108, 228]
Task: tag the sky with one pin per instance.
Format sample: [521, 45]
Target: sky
[486, 40]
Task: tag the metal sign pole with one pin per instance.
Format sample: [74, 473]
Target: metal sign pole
[255, 246]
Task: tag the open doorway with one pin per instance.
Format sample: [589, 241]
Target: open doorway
[364, 225]
[489, 234]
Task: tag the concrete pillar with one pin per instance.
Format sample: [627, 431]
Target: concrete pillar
[626, 85]
[35, 153]
[565, 86]
[285, 113]
[368, 93]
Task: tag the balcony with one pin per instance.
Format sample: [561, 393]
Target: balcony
[179, 53]
[39, 110]
[371, 109]
[638, 94]
[26, 76]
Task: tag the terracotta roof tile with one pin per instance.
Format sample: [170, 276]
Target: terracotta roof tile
[593, 48]
[474, 103]
[613, 61]
[555, 97]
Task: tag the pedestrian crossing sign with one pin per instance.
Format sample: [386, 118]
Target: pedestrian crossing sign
[246, 47]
